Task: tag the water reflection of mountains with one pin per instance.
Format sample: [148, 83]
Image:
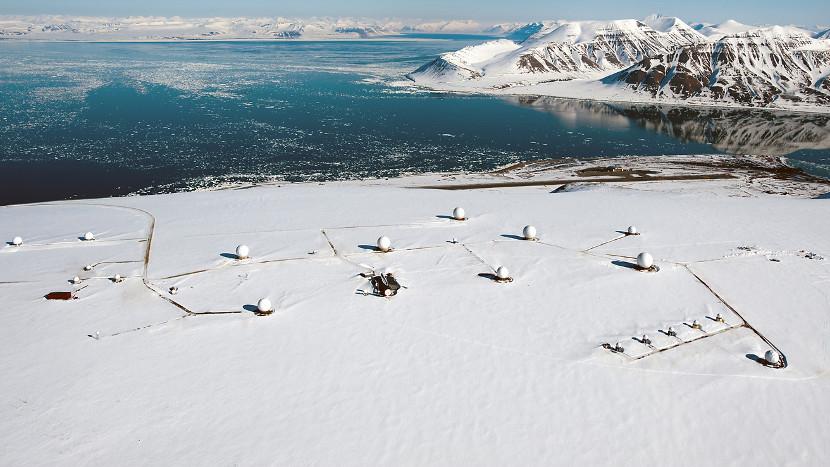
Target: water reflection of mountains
[733, 131]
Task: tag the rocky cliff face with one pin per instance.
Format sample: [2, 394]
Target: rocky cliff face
[754, 68]
[566, 50]
[657, 58]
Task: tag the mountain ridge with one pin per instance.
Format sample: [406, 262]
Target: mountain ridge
[660, 58]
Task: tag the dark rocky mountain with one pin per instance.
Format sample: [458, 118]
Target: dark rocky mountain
[754, 68]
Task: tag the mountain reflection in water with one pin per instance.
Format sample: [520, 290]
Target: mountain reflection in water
[732, 131]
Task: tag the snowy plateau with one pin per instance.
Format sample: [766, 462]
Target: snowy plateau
[158, 355]
[658, 58]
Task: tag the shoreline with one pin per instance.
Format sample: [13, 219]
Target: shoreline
[773, 173]
[559, 172]
[632, 99]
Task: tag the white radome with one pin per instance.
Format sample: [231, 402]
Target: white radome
[529, 232]
[117, 278]
[772, 357]
[264, 305]
[459, 214]
[89, 236]
[502, 272]
[645, 260]
[76, 280]
[242, 251]
[384, 243]
[17, 241]
[632, 230]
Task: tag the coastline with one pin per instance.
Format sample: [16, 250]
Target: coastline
[603, 95]
[751, 172]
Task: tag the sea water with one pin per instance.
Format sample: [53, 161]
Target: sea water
[103, 119]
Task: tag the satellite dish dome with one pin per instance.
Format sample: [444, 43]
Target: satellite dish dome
[645, 260]
[459, 214]
[17, 241]
[772, 357]
[503, 273]
[529, 232]
[76, 280]
[632, 230]
[89, 236]
[384, 243]
[264, 305]
[242, 251]
[117, 278]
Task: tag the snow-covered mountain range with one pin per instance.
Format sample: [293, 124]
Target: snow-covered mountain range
[655, 58]
[176, 28]
[753, 68]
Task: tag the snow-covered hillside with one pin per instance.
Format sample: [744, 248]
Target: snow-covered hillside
[751, 68]
[170, 364]
[564, 50]
[657, 58]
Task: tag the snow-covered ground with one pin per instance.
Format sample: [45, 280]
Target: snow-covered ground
[456, 369]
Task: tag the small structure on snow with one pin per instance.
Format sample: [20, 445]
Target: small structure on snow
[773, 359]
[616, 348]
[503, 274]
[645, 262]
[384, 244]
[60, 296]
[264, 307]
[632, 230]
[117, 279]
[89, 236]
[529, 232]
[459, 214]
[76, 280]
[384, 284]
[17, 241]
[242, 252]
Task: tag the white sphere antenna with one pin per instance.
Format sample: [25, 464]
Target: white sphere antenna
[645, 260]
[17, 241]
[529, 232]
[772, 357]
[632, 230]
[89, 236]
[243, 252]
[502, 273]
[384, 243]
[459, 214]
[264, 306]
